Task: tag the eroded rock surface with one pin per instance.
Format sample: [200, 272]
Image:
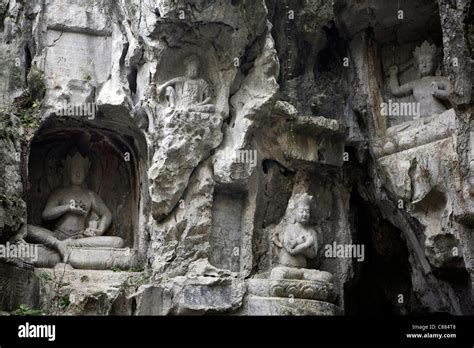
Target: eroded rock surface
[203, 123]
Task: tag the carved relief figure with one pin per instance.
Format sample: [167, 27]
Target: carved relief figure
[82, 217]
[297, 241]
[190, 92]
[429, 90]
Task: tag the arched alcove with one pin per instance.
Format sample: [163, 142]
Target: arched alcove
[117, 153]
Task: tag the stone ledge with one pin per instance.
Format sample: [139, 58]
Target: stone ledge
[288, 306]
[89, 292]
[396, 167]
[297, 289]
[308, 139]
[209, 294]
[87, 278]
[315, 124]
[90, 258]
[417, 133]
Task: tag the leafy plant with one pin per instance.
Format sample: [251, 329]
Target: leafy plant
[45, 276]
[64, 303]
[136, 269]
[135, 282]
[25, 310]
[139, 280]
[36, 84]
[27, 119]
[3, 9]
[7, 132]
[7, 128]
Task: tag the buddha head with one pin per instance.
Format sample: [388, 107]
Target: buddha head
[77, 167]
[192, 64]
[298, 209]
[425, 57]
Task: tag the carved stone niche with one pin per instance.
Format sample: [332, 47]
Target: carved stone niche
[190, 95]
[114, 153]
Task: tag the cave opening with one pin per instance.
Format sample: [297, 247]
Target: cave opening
[381, 286]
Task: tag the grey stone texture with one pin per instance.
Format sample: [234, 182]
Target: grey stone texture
[204, 123]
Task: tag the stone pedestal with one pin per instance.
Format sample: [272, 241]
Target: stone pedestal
[289, 306]
[416, 133]
[90, 258]
[291, 297]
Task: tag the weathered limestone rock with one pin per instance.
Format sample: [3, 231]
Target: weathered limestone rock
[255, 97]
[189, 126]
[207, 294]
[309, 290]
[86, 292]
[205, 127]
[285, 306]
[12, 205]
[18, 286]
[153, 300]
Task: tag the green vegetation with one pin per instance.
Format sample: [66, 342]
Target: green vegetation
[136, 269]
[7, 130]
[36, 84]
[3, 10]
[133, 269]
[25, 109]
[413, 163]
[28, 120]
[25, 310]
[45, 276]
[64, 303]
[135, 282]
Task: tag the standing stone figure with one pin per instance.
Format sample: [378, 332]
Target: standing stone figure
[190, 92]
[82, 217]
[297, 242]
[429, 90]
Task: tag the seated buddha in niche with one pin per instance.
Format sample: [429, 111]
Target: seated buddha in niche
[82, 216]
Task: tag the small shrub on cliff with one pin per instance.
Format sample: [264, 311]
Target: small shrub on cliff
[25, 310]
[36, 84]
[3, 12]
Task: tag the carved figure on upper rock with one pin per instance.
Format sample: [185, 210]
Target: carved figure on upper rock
[429, 90]
[190, 92]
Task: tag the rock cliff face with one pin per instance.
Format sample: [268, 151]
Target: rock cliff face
[296, 157]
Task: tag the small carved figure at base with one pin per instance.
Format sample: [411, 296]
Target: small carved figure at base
[297, 241]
